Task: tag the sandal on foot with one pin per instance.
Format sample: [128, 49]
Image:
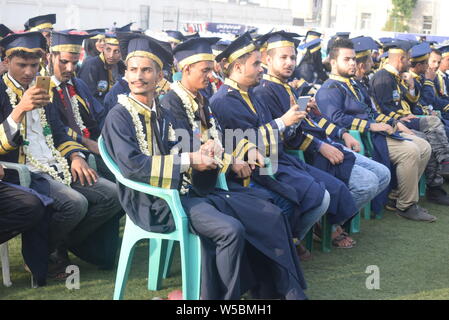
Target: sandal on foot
[338, 242]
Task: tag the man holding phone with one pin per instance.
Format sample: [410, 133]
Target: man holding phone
[235, 106]
[36, 137]
[316, 136]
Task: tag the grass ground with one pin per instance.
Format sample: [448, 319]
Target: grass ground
[412, 257]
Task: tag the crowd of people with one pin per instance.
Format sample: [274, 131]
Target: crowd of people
[178, 112]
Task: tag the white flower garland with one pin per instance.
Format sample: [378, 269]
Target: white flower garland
[50, 143]
[186, 101]
[143, 145]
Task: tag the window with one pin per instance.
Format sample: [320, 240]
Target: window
[365, 21]
[427, 24]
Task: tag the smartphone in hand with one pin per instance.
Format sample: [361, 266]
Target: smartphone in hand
[303, 102]
[43, 83]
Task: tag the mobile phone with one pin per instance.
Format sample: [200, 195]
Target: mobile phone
[43, 83]
[303, 102]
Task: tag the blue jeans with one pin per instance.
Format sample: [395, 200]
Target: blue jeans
[367, 180]
[308, 219]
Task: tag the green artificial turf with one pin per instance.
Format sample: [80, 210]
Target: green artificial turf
[412, 257]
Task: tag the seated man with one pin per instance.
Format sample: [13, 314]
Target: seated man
[83, 202]
[397, 98]
[237, 253]
[25, 212]
[347, 104]
[365, 178]
[236, 107]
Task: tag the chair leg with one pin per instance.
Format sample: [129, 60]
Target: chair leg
[326, 240]
[4, 255]
[169, 259]
[158, 254]
[309, 240]
[355, 224]
[124, 265]
[422, 186]
[190, 248]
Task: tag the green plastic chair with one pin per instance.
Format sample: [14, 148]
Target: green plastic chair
[190, 246]
[366, 151]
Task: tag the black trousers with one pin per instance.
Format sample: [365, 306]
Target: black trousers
[23, 213]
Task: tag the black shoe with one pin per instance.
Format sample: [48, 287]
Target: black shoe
[444, 170]
[391, 205]
[437, 195]
[416, 213]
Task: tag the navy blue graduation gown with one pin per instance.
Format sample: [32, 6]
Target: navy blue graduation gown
[98, 79]
[277, 98]
[110, 100]
[339, 104]
[164, 171]
[309, 183]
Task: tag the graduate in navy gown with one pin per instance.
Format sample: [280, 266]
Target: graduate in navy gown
[365, 178]
[236, 107]
[239, 251]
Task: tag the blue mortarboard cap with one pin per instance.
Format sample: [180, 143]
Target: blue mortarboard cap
[364, 45]
[444, 49]
[420, 52]
[111, 38]
[4, 31]
[29, 41]
[66, 42]
[342, 35]
[313, 33]
[191, 36]
[39, 23]
[397, 46]
[126, 28]
[220, 46]
[237, 48]
[194, 50]
[386, 40]
[139, 45]
[175, 36]
[279, 39]
[311, 46]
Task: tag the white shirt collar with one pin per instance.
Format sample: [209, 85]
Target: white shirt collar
[18, 85]
[153, 108]
[58, 83]
[394, 69]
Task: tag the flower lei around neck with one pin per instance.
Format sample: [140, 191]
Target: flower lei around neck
[187, 102]
[75, 107]
[46, 130]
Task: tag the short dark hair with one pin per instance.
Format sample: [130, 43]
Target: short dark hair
[339, 44]
[26, 55]
[90, 47]
[241, 60]
[413, 64]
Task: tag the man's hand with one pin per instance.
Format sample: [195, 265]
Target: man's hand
[91, 145]
[81, 170]
[408, 78]
[409, 118]
[403, 128]
[293, 115]
[202, 162]
[2, 172]
[255, 158]
[332, 154]
[381, 127]
[32, 98]
[351, 142]
[242, 169]
[212, 148]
